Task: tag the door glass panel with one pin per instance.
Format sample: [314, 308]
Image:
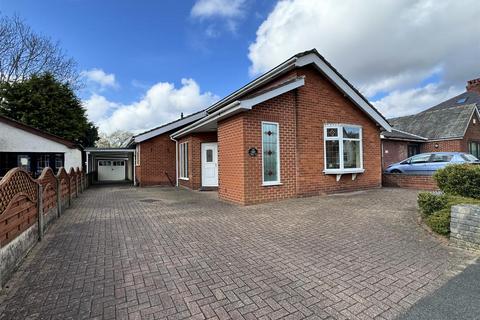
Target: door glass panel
[209, 155]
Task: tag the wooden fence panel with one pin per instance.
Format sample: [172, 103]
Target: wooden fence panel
[18, 204]
[64, 179]
[49, 182]
[73, 185]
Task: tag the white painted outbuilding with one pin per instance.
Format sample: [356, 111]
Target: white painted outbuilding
[33, 149]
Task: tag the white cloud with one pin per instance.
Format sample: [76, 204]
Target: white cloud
[380, 46]
[100, 77]
[218, 8]
[404, 102]
[230, 11]
[162, 103]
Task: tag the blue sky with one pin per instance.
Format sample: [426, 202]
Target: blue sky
[144, 62]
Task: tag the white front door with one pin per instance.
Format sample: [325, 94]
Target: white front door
[111, 170]
[209, 165]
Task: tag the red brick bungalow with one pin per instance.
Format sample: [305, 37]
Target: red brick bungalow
[300, 129]
[155, 153]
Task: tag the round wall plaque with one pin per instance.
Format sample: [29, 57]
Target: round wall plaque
[252, 152]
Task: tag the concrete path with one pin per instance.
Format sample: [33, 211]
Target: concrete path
[153, 253]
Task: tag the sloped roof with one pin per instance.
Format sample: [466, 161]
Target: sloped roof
[402, 135]
[444, 121]
[22, 126]
[173, 125]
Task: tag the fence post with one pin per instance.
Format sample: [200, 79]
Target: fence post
[40, 212]
[69, 191]
[76, 186]
[59, 198]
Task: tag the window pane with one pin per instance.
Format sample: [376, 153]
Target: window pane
[351, 154]
[209, 155]
[422, 158]
[270, 152]
[332, 132]
[332, 154]
[441, 158]
[351, 132]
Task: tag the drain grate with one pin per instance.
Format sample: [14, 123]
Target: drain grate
[149, 200]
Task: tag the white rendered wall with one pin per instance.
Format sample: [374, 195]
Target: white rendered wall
[16, 140]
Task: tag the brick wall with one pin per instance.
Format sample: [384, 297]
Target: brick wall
[394, 151]
[320, 102]
[195, 141]
[157, 159]
[443, 146]
[472, 133]
[420, 182]
[231, 159]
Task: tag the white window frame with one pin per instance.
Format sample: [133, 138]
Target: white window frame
[183, 164]
[340, 139]
[137, 154]
[278, 181]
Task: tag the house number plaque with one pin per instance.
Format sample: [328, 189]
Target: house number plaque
[252, 152]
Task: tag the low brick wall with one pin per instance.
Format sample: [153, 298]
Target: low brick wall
[409, 181]
[465, 226]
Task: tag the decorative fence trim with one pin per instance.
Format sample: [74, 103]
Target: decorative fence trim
[27, 206]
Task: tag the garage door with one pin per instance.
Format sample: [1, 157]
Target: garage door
[111, 170]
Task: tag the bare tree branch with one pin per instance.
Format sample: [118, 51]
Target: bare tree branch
[24, 53]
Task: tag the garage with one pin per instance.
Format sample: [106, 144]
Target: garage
[110, 165]
[111, 170]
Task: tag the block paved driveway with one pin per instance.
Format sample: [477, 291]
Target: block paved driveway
[161, 253]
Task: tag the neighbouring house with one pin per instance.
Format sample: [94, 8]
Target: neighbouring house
[33, 149]
[452, 125]
[300, 129]
[155, 153]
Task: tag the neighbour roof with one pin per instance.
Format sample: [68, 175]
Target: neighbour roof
[38, 132]
[444, 121]
[311, 57]
[401, 135]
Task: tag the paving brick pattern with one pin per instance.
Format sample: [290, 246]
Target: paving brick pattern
[161, 253]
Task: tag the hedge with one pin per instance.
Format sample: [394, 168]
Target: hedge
[460, 179]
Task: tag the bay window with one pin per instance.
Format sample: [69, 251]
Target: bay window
[343, 149]
[184, 160]
[270, 153]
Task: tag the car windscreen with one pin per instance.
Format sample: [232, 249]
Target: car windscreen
[469, 157]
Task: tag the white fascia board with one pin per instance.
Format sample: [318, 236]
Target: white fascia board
[249, 103]
[168, 127]
[287, 65]
[345, 87]
[238, 106]
[415, 135]
[209, 118]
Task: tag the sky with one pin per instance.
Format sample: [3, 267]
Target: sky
[145, 62]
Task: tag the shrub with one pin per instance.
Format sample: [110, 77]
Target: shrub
[460, 179]
[430, 202]
[440, 221]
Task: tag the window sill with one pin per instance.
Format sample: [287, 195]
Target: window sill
[340, 172]
[184, 179]
[343, 171]
[271, 184]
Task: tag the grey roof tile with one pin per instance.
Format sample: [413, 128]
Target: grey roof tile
[446, 120]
